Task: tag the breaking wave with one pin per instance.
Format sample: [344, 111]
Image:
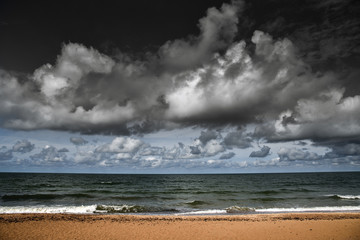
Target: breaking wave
[348, 197]
[139, 209]
[204, 212]
[237, 209]
[49, 209]
[310, 209]
[196, 203]
[131, 209]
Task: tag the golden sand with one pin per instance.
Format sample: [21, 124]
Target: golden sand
[265, 226]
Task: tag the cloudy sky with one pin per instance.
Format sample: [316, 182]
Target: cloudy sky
[180, 86]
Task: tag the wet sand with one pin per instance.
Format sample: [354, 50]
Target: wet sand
[264, 226]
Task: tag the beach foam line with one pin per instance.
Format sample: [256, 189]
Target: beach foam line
[203, 212]
[48, 209]
[348, 197]
[310, 209]
[89, 209]
[125, 209]
[273, 210]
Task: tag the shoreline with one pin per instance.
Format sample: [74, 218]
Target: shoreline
[184, 214]
[6, 217]
[143, 210]
[235, 216]
[123, 226]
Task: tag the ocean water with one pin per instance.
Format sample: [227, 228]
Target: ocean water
[186, 194]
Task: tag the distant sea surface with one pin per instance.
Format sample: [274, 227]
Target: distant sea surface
[179, 194]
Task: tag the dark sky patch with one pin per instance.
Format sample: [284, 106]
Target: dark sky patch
[287, 69]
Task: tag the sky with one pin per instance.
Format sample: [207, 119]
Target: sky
[160, 86]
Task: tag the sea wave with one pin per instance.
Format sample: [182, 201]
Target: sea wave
[203, 212]
[349, 197]
[89, 209]
[109, 182]
[310, 209]
[131, 209]
[48, 209]
[119, 209]
[196, 203]
[237, 209]
[138, 209]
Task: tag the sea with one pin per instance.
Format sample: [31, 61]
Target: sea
[179, 194]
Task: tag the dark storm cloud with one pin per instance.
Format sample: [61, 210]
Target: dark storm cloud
[328, 115]
[263, 152]
[63, 150]
[131, 152]
[153, 151]
[134, 150]
[237, 139]
[325, 32]
[147, 156]
[301, 143]
[208, 144]
[208, 135]
[335, 34]
[349, 149]
[5, 154]
[78, 141]
[217, 31]
[74, 94]
[48, 155]
[294, 154]
[212, 79]
[341, 148]
[322, 30]
[23, 146]
[227, 155]
[339, 154]
[121, 145]
[195, 150]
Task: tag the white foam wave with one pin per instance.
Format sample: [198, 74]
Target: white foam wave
[349, 196]
[48, 209]
[90, 209]
[279, 210]
[203, 212]
[310, 209]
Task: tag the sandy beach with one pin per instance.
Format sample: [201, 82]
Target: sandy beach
[266, 226]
